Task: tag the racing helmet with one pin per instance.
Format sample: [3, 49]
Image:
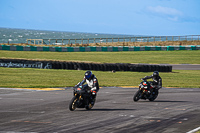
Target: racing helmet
[155, 74]
[88, 74]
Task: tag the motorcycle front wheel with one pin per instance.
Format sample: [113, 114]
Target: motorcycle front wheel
[154, 96]
[73, 104]
[137, 96]
[89, 106]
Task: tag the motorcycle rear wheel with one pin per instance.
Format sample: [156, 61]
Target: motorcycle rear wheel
[137, 96]
[73, 104]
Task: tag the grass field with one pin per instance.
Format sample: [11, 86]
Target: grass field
[32, 78]
[155, 57]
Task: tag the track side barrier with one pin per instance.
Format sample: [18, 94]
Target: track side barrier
[98, 49]
[22, 63]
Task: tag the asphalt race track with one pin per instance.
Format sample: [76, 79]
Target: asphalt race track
[185, 66]
[176, 110]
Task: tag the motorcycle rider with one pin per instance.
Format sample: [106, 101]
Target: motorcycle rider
[157, 80]
[92, 84]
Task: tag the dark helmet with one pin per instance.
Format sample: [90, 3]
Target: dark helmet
[88, 74]
[155, 73]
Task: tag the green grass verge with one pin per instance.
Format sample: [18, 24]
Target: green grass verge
[154, 57]
[21, 77]
[32, 78]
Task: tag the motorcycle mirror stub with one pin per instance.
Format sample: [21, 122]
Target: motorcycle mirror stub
[144, 83]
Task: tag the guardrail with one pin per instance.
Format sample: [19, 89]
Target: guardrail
[98, 49]
[112, 40]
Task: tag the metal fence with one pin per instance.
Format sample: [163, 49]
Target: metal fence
[113, 40]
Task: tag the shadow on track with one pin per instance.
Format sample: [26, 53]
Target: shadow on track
[165, 101]
[107, 110]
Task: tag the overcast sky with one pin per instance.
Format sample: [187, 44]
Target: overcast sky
[131, 17]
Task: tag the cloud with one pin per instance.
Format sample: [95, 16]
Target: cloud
[165, 10]
[170, 13]
[173, 18]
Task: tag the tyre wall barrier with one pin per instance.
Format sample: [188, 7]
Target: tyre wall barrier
[99, 49]
[22, 63]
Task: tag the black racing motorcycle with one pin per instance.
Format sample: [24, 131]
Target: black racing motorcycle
[82, 98]
[146, 91]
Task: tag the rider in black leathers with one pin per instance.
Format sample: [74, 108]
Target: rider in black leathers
[92, 84]
[157, 80]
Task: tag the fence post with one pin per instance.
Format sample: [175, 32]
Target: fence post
[135, 39]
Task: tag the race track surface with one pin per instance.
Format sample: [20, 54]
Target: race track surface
[186, 66]
[176, 110]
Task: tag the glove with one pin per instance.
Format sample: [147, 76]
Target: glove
[93, 92]
[154, 86]
[76, 86]
[159, 87]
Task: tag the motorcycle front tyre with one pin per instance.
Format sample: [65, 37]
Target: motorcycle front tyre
[88, 107]
[72, 104]
[136, 96]
[154, 96]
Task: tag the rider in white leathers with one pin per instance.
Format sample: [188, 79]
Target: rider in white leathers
[92, 83]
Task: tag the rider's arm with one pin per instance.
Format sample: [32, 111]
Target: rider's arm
[95, 87]
[147, 77]
[83, 81]
[159, 83]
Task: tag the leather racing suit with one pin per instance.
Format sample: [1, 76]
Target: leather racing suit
[157, 81]
[92, 84]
